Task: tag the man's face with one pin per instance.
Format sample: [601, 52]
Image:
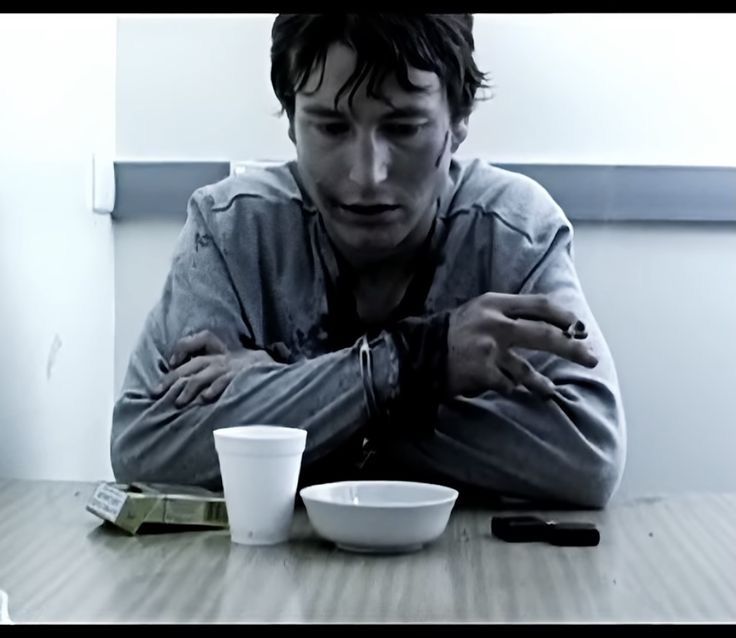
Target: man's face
[374, 171]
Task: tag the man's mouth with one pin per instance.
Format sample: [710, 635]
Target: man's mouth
[368, 209]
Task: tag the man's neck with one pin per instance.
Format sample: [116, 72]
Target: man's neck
[378, 288]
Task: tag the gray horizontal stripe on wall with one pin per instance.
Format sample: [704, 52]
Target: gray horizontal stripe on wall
[161, 189]
[585, 192]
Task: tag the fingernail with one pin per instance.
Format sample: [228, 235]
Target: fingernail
[158, 389]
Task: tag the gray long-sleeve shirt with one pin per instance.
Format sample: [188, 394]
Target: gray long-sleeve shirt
[252, 264]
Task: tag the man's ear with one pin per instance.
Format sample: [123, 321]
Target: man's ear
[292, 137]
[459, 132]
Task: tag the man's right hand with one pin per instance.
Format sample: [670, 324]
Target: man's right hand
[483, 331]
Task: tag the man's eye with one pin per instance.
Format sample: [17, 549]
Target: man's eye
[403, 130]
[333, 128]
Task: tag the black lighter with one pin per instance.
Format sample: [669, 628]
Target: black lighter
[527, 529]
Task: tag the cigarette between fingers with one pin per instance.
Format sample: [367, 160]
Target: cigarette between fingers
[576, 329]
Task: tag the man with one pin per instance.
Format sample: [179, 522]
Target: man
[419, 317]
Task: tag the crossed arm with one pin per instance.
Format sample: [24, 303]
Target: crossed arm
[520, 436]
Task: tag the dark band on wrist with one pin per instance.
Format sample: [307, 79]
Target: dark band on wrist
[422, 350]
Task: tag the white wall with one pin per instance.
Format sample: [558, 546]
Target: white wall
[607, 89]
[569, 89]
[56, 263]
[664, 296]
[197, 87]
[616, 88]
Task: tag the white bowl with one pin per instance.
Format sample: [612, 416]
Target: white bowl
[379, 516]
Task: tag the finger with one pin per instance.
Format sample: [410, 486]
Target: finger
[213, 344]
[185, 348]
[186, 370]
[525, 374]
[541, 307]
[198, 382]
[178, 386]
[503, 381]
[539, 335]
[217, 387]
[201, 341]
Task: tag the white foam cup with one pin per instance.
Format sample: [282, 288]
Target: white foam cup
[260, 467]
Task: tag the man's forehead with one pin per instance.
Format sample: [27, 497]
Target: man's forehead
[339, 66]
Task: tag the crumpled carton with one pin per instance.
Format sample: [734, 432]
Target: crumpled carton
[139, 507]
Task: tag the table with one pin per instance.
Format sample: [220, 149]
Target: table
[661, 559]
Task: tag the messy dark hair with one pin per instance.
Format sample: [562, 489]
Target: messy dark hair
[384, 44]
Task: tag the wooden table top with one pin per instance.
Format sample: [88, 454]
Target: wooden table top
[660, 559]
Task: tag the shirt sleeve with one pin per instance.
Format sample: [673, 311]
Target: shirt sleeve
[153, 440]
[568, 449]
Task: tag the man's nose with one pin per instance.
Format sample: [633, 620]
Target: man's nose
[368, 161]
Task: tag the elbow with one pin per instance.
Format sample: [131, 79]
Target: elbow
[598, 483]
[598, 465]
[125, 453]
[600, 471]
[150, 445]
[134, 427]
[585, 482]
[123, 469]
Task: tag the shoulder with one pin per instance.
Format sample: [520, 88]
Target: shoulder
[247, 213]
[512, 199]
[263, 185]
